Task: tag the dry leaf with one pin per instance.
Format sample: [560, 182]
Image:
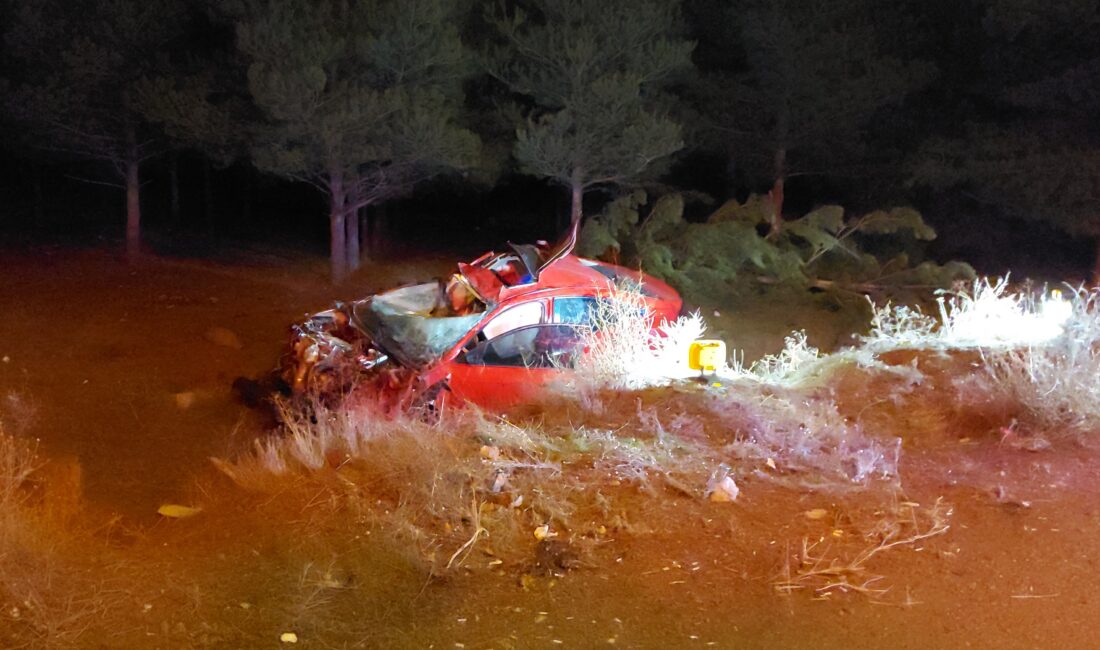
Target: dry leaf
[175, 511]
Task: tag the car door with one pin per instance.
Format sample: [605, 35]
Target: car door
[515, 366]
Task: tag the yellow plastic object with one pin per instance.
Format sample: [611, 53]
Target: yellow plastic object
[706, 355]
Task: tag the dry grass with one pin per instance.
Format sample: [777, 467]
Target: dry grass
[46, 599]
[1039, 351]
[476, 487]
[625, 446]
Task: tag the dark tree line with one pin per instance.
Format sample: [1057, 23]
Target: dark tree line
[990, 102]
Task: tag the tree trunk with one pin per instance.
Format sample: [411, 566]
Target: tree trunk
[779, 168]
[174, 188]
[776, 193]
[39, 196]
[133, 206]
[351, 225]
[576, 209]
[338, 254]
[208, 196]
[1096, 265]
[576, 205]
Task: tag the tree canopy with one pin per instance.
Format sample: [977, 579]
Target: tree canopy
[590, 77]
[975, 110]
[788, 88]
[76, 96]
[361, 99]
[1030, 148]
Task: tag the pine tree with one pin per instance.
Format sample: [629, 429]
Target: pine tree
[790, 87]
[359, 98]
[1033, 151]
[81, 61]
[202, 101]
[591, 74]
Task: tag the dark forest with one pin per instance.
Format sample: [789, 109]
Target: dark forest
[357, 123]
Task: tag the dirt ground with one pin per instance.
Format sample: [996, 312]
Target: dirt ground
[125, 371]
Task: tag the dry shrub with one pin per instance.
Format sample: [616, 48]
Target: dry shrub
[989, 314]
[1038, 353]
[46, 598]
[839, 560]
[1056, 385]
[474, 484]
[799, 438]
[625, 350]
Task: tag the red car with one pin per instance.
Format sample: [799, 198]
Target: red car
[492, 334]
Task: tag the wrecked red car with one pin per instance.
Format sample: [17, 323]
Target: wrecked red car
[492, 334]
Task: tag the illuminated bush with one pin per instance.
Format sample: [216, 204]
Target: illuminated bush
[1039, 351]
[623, 349]
[1055, 382]
[986, 315]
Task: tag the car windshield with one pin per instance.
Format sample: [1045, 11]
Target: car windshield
[407, 323]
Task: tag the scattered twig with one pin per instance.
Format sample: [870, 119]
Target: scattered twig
[475, 515]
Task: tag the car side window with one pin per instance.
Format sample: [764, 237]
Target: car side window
[548, 345]
[574, 311]
[521, 315]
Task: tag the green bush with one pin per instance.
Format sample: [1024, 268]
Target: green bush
[729, 252]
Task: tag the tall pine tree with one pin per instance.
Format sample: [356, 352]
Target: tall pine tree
[790, 87]
[81, 61]
[591, 76]
[360, 98]
[1031, 148]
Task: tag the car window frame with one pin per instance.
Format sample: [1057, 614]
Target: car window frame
[488, 323]
[483, 344]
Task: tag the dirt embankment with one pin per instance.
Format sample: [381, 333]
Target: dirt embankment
[126, 371]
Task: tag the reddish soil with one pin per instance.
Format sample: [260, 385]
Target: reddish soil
[129, 367]
[129, 379]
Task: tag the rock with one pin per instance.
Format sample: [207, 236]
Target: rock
[544, 532]
[224, 337]
[724, 490]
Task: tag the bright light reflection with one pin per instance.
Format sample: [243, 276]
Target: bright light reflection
[992, 318]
